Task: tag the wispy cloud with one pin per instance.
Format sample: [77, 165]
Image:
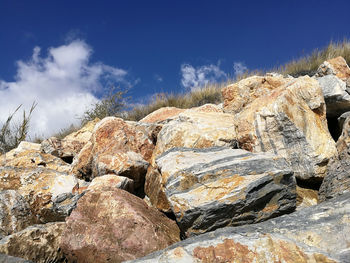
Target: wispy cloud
[193, 78]
[63, 83]
[158, 78]
[239, 68]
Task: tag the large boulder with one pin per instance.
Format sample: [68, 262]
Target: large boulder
[217, 187]
[315, 234]
[15, 213]
[68, 147]
[194, 129]
[287, 120]
[40, 187]
[116, 147]
[113, 225]
[39, 243]
[337, 180]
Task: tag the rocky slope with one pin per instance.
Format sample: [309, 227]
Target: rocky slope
[261, 178]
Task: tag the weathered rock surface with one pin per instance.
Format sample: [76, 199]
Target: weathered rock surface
[335, 66]
[39, 243]
[71, 145]
[196, 130]
[218, 187]
[35, 159]
[239, 95]
[290, 121]
[39, 186]
[337, 180]
[113, 225]
[9, 259]
[15, 213]
[116, 147]
[315, 234]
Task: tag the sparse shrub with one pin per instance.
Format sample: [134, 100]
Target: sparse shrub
[12, 134]
[110, 105]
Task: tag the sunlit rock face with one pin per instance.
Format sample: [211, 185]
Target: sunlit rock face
[287, 118]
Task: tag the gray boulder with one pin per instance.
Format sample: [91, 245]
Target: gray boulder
[217, 187]
[335, 94]
[315, 234]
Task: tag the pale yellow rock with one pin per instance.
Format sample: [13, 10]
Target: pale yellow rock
[33, 159]
[238, 95]
[196, 130]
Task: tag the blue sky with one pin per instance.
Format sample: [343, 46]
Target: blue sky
[151, 46]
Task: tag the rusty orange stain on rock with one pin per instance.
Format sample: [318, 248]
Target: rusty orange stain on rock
[228, 251]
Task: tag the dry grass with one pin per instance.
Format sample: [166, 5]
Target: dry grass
[198, 97]
[212, 93]
[11, 134]
[309, 64]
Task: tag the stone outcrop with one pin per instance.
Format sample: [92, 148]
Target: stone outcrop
[15, 213]
[68, 147]
[196, 130]
[288, 120]
[113, 225]
[337, 180]
[39, 243]
[315, 234]
[217, 187]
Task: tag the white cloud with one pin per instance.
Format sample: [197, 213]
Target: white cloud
[193, 78]
[63, 84]
[239, 68]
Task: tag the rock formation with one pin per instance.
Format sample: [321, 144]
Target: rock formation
[262, 177]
